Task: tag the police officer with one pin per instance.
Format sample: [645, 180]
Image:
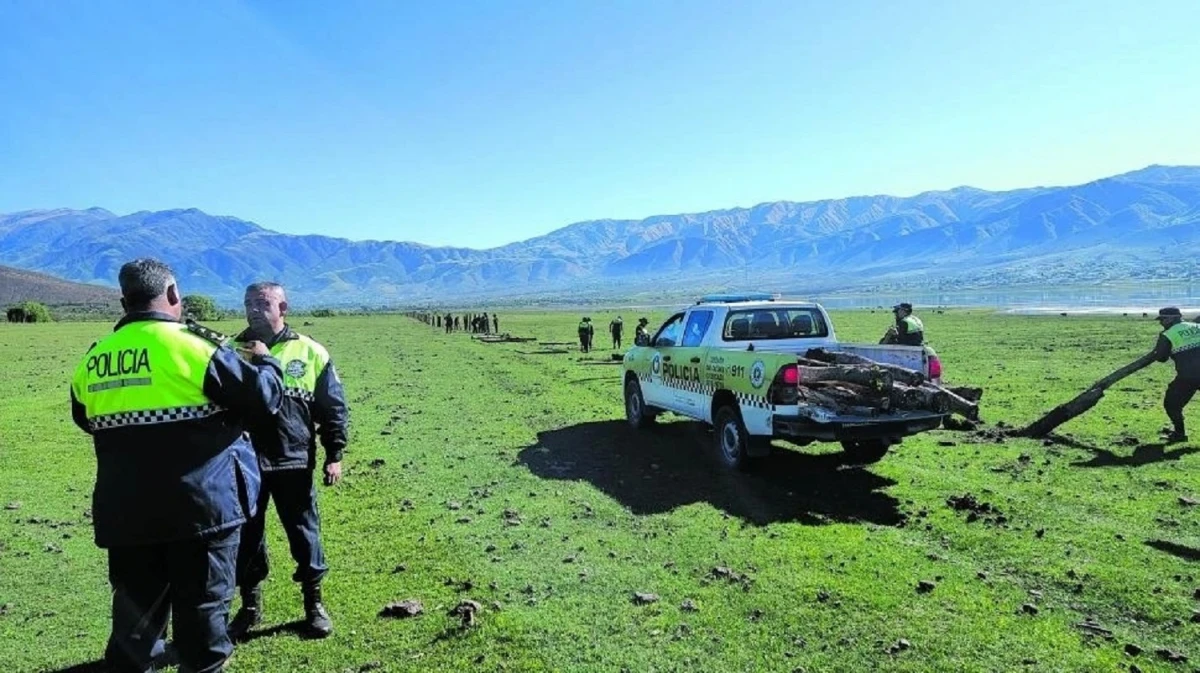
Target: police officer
[1179, 341]
[641, 335]
[314, 406]
[585, 334]
[908, 331]
[165, 405]
[616, 327]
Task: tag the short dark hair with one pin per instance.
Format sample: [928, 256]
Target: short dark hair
[144, 280]
[263, 285]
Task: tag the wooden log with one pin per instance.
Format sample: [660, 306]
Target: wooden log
[911, 377]
[853, 394]
[967, 393]
[875, 377]
[959, 405]
[920, 398]
[1082, 402]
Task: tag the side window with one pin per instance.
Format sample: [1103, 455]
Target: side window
[697, 327]
[668, 334]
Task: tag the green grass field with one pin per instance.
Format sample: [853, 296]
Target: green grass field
[495, 473]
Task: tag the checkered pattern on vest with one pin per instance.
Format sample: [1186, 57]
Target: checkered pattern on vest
[299, 393]
[154, 416]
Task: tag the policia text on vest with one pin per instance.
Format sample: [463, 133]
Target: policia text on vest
[175, 479]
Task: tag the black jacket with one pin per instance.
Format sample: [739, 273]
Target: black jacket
[183, 479]
[288, 441]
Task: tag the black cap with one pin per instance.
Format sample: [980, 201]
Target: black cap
[904, 305]
[1169, 312]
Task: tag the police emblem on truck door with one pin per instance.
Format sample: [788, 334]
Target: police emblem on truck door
[295, 369]
[758, 374]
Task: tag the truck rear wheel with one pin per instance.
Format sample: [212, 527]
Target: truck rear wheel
[637, 413]
[865, 451]
[731, 441]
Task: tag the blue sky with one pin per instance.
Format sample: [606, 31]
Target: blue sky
[480, 123]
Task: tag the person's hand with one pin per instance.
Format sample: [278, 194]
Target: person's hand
[333, 473]
[253, 347]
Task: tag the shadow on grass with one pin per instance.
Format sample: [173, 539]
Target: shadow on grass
[1142, 454]
[1184, 552]
[658, 470]
[295, 628]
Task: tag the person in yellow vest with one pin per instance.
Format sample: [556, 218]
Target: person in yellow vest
[908, 330]
[1179, 341]
[166, 404]
[314, 406]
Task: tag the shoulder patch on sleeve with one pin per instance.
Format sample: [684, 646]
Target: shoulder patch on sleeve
[207, 333]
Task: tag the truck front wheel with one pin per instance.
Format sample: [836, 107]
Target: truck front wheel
[865, 451]
[636, 412]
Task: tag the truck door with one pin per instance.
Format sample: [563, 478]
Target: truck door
[662, 347]
[687, 365]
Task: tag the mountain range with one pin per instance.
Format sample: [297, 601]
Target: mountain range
[1142, 224]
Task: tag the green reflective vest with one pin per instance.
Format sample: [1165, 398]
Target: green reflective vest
[914, 323]
[1184, 336]
[144, 373]
[303, 361]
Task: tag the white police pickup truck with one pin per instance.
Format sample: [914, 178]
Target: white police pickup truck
[731, 361]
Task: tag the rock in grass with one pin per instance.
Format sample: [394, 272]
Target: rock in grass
[13, 506]
[925, 586]
[403, 609]
[1171, 656]
[640, 598]
[1132, 650]
[688, 605]
[1029, 609]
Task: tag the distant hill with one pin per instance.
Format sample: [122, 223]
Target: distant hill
[1142, 224]
[17, 285]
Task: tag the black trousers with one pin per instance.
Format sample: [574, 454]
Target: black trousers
[190, 582]
[1179, 392]
[295, 496]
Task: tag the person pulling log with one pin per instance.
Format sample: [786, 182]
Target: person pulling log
[1179, 341]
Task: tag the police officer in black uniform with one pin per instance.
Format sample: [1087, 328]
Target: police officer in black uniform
[314, 407]
[165, 404]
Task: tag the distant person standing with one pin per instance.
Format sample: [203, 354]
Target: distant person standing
[585, 334]
[314, 406]
[495, 323]
[617, 326]
[1179, 341]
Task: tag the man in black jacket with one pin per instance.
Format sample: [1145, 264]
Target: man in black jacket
[314, 405]
[166, 405]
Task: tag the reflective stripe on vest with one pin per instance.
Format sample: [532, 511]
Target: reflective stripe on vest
[303, 361]
[1183, 336]
[914, 323]
[146, 372]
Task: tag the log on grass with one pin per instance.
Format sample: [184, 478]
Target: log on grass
[1082, 402]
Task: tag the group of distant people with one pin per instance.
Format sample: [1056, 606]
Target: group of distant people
[474, 323]
[616, 329]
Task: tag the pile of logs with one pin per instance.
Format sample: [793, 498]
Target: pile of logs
[852, 384]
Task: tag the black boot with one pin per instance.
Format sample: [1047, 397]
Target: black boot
[316, 619]
[249, 615]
